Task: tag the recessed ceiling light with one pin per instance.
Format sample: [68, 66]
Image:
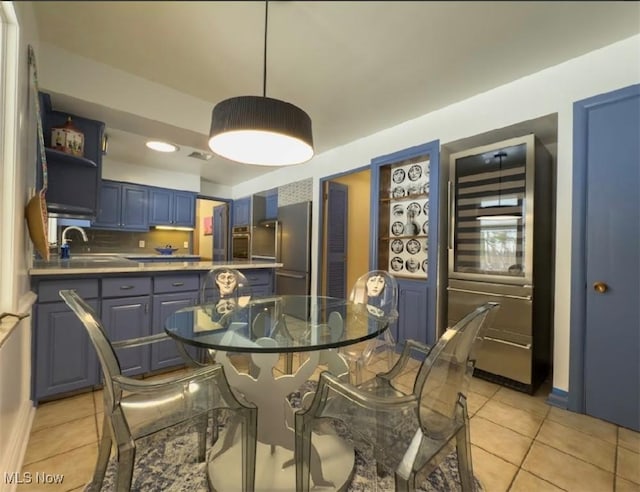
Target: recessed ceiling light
[161, 146]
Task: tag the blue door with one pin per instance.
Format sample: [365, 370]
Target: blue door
[607, 216]
[336, 239]
[220, 235]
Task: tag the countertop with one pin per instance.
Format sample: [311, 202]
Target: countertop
[83, 266]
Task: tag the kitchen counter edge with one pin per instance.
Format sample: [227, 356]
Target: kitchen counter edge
[55, 269]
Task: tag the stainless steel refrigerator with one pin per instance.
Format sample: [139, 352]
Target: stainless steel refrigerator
[498, 252]
[294, 277]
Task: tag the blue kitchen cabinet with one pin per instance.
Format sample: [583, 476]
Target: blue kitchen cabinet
[260, 280]
[63, 357]
[242, 212]
[171, 207]
[413, 306]
[170, 293]
[122, 206]
[126, 318]
[271, 205]
[126, 314]
[403, 240]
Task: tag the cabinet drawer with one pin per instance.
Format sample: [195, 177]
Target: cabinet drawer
[48, 289]
[176, 283]
[258, 277]
[126, 286]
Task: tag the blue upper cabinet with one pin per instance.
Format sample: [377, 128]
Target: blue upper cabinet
[73, 181]
[271, 204]
[172, 207]
[404, 232]
[122, 206]
[242, 212]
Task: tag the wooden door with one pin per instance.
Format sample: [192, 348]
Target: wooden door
[607, 159]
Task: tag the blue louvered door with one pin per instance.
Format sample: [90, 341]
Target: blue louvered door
[337, 205]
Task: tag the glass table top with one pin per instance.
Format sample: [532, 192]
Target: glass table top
[276, 324]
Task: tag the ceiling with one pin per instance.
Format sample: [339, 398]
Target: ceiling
[355, 67]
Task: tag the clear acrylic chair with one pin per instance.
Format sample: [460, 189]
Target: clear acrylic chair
[409, 432]
[135, 408]
[378, 291]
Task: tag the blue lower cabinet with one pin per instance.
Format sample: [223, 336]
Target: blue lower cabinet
[412, 311]
[64, 358]
[165, 354]
[125, 318]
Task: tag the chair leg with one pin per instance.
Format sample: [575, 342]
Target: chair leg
[465, 465]
[405, 485]
[288, 363]
[103, 457]
[124, 471]
[202, 437]
[249, 434]
[214, 426]
[302, 453]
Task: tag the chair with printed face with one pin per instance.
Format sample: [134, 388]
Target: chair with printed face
[409, 432]
[377, 291]
[134, 409]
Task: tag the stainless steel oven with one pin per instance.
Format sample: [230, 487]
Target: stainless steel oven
[240, 243]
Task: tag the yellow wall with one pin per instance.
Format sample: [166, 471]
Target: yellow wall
[203, 245]
[359, 184]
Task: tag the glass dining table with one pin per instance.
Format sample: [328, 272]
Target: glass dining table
[265, 328]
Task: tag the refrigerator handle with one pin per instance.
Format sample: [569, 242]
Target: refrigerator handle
[449, 214]
[492, 294]
[289, 275]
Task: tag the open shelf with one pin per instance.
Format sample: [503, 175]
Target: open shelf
[58, 157]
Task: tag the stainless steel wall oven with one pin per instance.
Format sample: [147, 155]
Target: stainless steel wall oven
[240, 243]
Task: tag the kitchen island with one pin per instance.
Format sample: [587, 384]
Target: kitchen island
[132, 299]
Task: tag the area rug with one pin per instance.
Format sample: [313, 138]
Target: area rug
[167, 462]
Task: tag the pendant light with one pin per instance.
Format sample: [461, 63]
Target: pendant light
[499, 211]
[261, 130]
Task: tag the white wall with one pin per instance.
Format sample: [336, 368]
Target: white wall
[132, 173]
[16, 410]
[553, 90]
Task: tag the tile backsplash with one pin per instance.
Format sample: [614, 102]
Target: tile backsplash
[128, 242]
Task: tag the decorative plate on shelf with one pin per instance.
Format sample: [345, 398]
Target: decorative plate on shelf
[397, 228]
[425, 226]
[424, 266]
[397, 264]
[412, 265]
[415, 172]
[397, 246]
[398, 176]
[398, 192]
[425, 208]
[398, 210]
[413, 246]
[414, 208]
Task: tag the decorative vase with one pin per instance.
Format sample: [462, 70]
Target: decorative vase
[68, 138]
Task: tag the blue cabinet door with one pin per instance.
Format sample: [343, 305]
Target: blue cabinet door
[220, 233]
[271, 205]
[109, 206]
[65, 360]
[165, 354]
[184, 210]
[135, 203]
[126, 318]
[160, 206]
[412, 309]
[242, 212]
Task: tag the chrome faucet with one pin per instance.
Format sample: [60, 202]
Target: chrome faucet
[64, 248]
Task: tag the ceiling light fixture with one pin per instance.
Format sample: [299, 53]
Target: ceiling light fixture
[500, 211]
[161, 146]
[261, 130]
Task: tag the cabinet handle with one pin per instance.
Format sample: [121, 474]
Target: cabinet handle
[492, 294]
[511, 344]
[178, 284]
[126, 287]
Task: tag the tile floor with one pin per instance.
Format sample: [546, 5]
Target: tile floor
[519, 444]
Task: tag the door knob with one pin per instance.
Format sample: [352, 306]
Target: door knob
[600, 287]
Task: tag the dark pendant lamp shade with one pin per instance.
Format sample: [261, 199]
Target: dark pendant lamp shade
[261, 130]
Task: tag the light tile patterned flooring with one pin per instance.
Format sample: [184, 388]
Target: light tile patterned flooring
[519, 443]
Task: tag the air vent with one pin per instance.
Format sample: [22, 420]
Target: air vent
[203, 156]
